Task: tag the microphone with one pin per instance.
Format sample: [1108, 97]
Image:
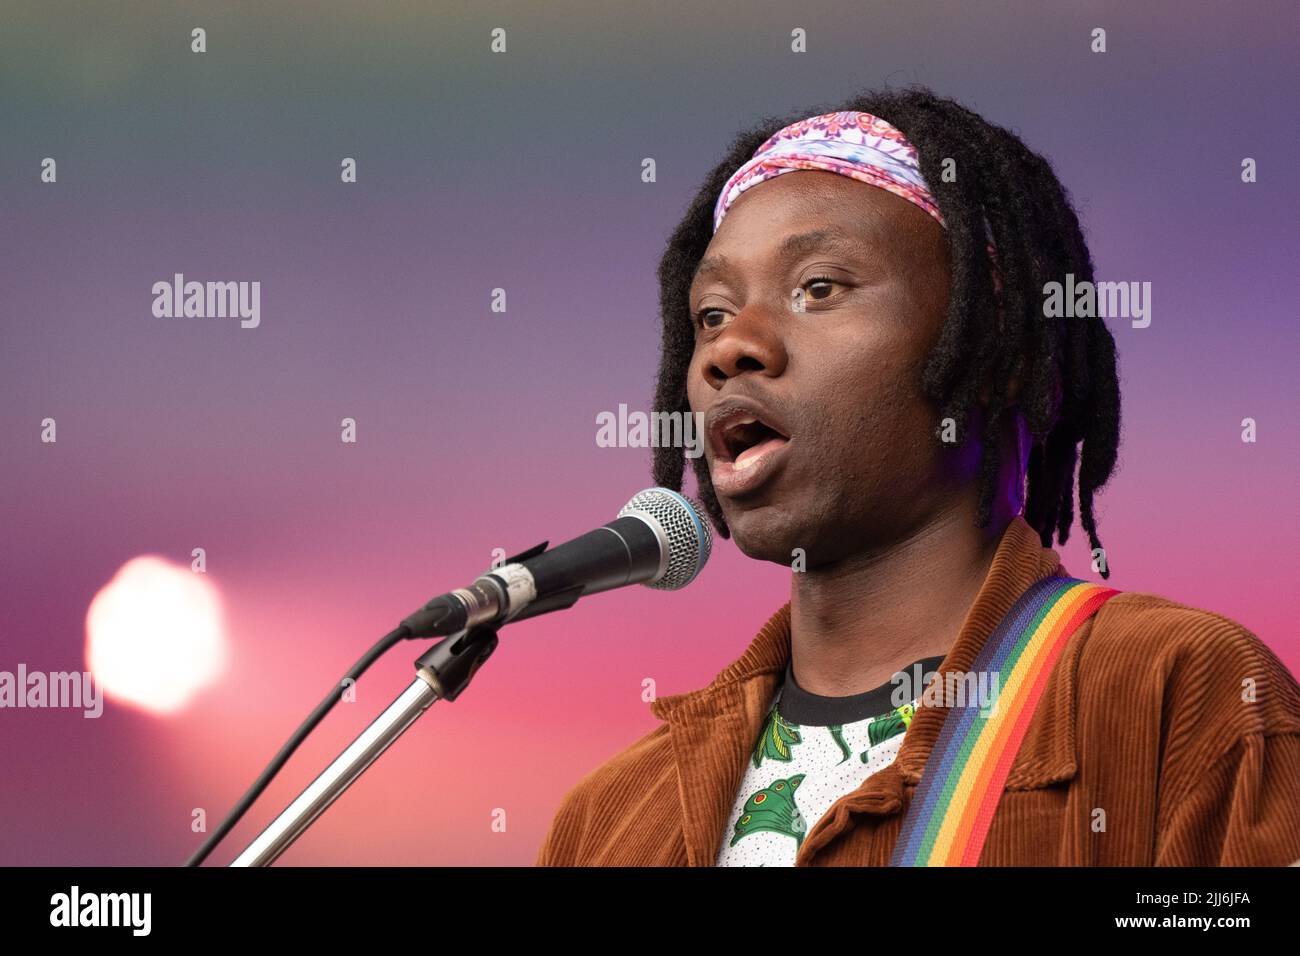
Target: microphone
[660, 539]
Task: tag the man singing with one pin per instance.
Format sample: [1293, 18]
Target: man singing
[855, 301]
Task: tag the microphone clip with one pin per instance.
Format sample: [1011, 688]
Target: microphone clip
[451, 664]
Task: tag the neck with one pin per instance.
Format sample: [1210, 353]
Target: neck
[857, 622]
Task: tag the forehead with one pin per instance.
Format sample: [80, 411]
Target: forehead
[805, 211]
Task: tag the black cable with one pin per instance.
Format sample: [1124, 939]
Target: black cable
[385, 644]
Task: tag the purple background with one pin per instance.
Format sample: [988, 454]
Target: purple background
[477, 430]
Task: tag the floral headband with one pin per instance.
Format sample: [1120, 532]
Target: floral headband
[851, 143]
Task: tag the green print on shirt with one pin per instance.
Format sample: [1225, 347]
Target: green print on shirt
[837, 732]
[779, 735]
[773, 810]
[888, 725]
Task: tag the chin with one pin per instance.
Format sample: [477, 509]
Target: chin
[766, 533]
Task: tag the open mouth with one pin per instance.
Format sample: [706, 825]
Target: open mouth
[747, 450]
[747, 440]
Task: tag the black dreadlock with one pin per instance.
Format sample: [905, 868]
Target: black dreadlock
[1038, 240]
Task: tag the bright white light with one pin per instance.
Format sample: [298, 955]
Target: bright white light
[154, 635]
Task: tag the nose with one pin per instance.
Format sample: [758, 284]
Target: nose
[751, 342]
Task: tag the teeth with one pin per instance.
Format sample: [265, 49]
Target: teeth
[738, 423]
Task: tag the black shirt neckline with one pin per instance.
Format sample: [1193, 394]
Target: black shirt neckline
[799, 706]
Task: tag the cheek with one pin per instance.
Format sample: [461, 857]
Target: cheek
[696, 388]
[871, 418]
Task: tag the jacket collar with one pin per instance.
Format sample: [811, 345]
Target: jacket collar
[716, 726]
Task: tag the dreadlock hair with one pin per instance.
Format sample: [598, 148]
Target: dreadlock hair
[1069, 390]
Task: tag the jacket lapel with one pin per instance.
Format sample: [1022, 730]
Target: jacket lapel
[714, 731]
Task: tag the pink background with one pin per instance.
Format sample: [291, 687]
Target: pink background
[477, 430]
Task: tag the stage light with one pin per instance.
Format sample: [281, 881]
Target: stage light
[154, 635]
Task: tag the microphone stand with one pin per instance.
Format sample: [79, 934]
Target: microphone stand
[442, 672]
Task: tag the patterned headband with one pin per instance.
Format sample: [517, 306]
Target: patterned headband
[851, 143]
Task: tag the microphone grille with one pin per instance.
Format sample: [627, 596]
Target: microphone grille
[690, 540]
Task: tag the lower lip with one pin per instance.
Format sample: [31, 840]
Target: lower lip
[761, 464]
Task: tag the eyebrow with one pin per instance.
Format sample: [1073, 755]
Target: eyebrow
[799, 244]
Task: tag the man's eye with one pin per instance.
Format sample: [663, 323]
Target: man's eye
[702, 318]
[819, 281]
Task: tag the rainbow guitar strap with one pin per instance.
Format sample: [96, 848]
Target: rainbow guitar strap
[953, 806]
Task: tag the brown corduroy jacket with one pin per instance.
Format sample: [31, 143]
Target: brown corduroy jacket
[1166, 735]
